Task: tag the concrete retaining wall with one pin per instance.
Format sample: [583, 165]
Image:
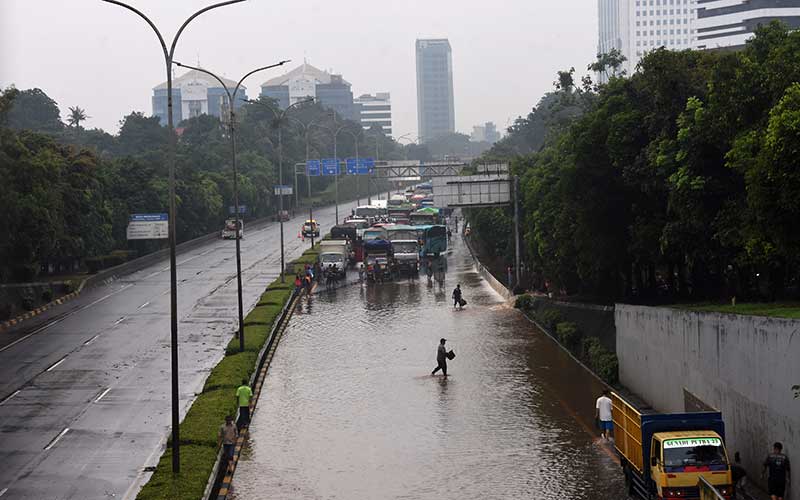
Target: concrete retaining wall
[742, 365]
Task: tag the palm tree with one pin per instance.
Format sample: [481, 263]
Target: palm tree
[76, 116]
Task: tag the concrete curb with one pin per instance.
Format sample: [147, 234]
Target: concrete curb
[257, 381]
[5, 325]
[486, 275]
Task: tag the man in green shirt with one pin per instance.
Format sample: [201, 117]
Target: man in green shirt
[243, 395]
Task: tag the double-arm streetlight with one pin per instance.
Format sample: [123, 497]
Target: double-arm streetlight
[168, 55]
[232, 133]
[355, 140]
[279, 117]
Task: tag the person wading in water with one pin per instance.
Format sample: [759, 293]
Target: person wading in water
[441, 358]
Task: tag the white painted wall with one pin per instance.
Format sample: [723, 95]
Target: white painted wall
[742, 365]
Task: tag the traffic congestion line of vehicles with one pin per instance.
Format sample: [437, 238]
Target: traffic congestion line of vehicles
[387, 239]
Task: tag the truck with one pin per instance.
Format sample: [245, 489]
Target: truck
[378, 257]
[669, 455]
[334, 252]
[406, 256]
[310, 228]
[229, 231]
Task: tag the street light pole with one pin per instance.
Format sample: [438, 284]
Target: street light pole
[232, 131]
[173, 273]
[278, 122]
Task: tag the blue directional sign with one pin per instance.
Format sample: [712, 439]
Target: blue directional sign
[149, 217]
[242, 209]
[312, 167]
[330, 166]
[363, 166]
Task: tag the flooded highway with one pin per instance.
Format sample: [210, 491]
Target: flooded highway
[350, 410]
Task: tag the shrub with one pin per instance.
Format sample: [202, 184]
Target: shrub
[549, 319]
[602, 361]
[93, 264]
[524, 302]
[27, 302]
[568, 334]
[47, 295]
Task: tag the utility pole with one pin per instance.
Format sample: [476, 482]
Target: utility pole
[515, 180]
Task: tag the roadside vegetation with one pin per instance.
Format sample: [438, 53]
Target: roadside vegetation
[675, 184]
[772, 309]
[68, 191]
[586, 348]
[198, 431]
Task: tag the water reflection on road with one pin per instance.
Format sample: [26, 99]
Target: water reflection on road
[350, 410]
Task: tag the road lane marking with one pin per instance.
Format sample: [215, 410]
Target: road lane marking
[48, 325]
[91, 340]
[102, 395]
[3, 491]
[144, 305]
[119, 321]
[57, 439]
[9, 397]
[56, 364]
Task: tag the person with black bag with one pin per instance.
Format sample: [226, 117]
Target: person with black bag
[458, 301]
[441, 358]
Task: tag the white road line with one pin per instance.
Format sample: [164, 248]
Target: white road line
[3, 491]
[48, 325]
[56, 364]
[144, 305]
[57, 439]
[9, 397]
[91, 340]
[119, 321]
[153, 274]
[102, 395]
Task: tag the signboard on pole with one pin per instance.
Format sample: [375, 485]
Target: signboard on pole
[242, 209]
[283, 190]
[313, 168]
[330, 166]
[362, 166]
[148, 227]
[472, 190]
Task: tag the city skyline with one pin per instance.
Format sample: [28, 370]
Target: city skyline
[107, 61]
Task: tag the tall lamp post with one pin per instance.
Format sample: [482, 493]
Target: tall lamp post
[335, 133]
[355, 140]
[279, 121]
[232, 132]
[168, 55]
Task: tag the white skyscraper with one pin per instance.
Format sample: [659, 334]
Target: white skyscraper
[729, 23]
[635, 27]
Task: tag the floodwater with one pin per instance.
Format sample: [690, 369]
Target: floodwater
[350, 410]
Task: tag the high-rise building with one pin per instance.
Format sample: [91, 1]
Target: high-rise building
[329, 90]
[614, 31]
[485, 133]
[195, 93]
[375, 110]
[435, 109]
[635, 27]
[729, 23]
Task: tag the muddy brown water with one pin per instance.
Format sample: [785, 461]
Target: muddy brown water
[350, 410]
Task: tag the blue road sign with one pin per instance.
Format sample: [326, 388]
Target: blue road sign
[149, 217]
[312, 167]
[363, 166]
[330, 166]
[242, 209]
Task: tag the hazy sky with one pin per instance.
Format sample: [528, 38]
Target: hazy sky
[106, 60]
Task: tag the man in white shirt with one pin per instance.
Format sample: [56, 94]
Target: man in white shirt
[603, 413]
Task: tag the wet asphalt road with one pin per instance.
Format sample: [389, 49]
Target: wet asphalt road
[85, 401]
[350, 410]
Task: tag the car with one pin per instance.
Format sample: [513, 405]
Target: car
[310, 228]
[229, 231]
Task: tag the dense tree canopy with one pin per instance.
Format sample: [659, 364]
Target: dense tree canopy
[678, 182]
[68, 192]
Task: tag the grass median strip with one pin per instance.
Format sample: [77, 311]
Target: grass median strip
[198, 431]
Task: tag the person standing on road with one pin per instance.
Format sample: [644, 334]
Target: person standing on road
[243, 396]
[779, 472]
[457, 297]
[228, 433]
[441, 358]
[602, 413]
